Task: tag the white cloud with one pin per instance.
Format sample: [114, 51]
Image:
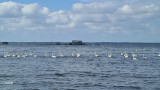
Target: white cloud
[94, 8]
[103, 16]
[60, 17]
[10, 9]
[126, 9]
[16, 16]
[93, 0]
[34, 9]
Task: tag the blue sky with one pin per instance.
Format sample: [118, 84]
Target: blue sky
[87, 20]
[53, 5]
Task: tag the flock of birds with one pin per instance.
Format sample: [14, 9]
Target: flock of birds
[23, 55]
[134, 56]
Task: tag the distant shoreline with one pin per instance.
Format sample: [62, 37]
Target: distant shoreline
[69, 43]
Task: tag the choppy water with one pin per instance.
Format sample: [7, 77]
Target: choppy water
[84, 73]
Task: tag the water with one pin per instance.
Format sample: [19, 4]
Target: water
[84, 73]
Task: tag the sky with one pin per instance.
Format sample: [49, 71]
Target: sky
[86, 20]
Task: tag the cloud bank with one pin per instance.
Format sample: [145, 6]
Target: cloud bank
[95, 16]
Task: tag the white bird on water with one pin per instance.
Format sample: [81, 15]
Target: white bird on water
[30, 53]
[134, 58]
[72, 54]
[159, 54]
[60, 54]
[8, 55]
[78, 54]
[46, 54]
[121, 54]
[126, 55]
[96, 54]
[17, 55]
[5, 55]
[134, 55]
[144, 57]
[53, 56]
[109, 55]
[26, 54]
[35, 55]
[13, 55]
[23, 55]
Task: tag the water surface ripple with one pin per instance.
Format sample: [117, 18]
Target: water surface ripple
[86, 72]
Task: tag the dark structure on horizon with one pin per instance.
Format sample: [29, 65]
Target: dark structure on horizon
[4, 43]
[77, 42]
[74, 42]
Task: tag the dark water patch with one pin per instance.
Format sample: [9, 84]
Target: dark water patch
[87, 74]
[108, 76]
[157, 88]
[52, 75]
[59, 74]
[128, 87]
[114, 63]
[85, 84]
[143, 76]
[32, 89]
[6, 76]
[70, 89]
[49, 70]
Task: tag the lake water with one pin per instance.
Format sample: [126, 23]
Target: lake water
[86, 72]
